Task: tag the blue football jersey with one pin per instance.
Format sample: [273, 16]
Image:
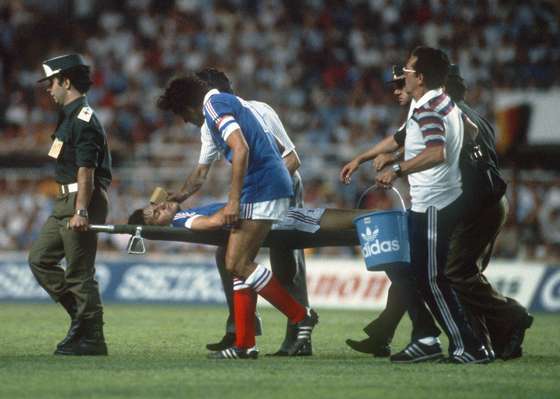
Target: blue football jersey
[181, 218]
[267, 177]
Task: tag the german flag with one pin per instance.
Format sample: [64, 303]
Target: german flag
[512, 124]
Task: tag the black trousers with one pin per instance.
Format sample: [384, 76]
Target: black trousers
[490, 314]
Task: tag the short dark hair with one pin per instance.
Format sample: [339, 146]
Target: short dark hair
[216, 79]
[433, 64]
[137, 217]
[456, 88]
[183, 92]
[78, 76]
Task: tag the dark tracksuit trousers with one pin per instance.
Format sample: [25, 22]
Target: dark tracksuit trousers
[430, 236]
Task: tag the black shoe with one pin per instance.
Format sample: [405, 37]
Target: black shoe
[305, 349]
[479, 356]
[235, 353]
[417, 352]
[304, 329]
[289, 341]
[73, 336]
[227, 341]
[512, 347]
[75, 330]
[92, 342]
[370, 346]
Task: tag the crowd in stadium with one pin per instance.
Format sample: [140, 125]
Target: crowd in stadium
[321, 64]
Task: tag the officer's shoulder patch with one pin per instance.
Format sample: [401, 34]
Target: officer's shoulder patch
[85, 114]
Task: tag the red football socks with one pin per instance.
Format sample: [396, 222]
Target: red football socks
[244, 305]
[268, 286]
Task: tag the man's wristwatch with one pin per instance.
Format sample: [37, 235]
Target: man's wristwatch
[397, 169]
[82, 212]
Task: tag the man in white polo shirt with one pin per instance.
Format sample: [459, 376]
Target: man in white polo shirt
[432, 147]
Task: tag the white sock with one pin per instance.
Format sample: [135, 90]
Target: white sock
[259, 278]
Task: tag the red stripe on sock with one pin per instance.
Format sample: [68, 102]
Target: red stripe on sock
[244, 307]
[281, 299]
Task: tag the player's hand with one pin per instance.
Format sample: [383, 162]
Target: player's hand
[347, 171]
[382, 160]
[231, 213]
[385, 178]
[78, 223]
[174, 197]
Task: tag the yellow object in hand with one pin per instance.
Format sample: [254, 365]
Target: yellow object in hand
[158, 195]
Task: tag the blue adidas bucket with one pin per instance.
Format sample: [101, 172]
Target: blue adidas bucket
[384, 237]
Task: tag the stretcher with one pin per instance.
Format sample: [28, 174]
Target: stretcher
[291, 239]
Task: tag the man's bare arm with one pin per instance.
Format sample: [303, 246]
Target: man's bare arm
[193, 183]
[239, 163]
[212, 222]
[83, 198]
[431, 156]
[292, 162]
[387, 145]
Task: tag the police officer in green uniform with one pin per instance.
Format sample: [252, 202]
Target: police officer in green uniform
[83, 172]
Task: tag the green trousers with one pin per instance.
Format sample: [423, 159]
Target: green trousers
[56, 242]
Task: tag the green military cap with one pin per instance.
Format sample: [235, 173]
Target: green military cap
[60, 64]
[397, 73]
[397, 76]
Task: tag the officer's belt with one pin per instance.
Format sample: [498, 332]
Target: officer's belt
[68, 188]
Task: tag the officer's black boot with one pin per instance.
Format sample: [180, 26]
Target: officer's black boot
[92, 342]
[74, 331]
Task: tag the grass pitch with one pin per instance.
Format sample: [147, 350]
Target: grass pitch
[158, 352]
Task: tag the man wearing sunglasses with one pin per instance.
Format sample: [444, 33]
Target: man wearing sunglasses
[434, 138]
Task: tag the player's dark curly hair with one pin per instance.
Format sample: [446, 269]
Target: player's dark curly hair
[137, 217]
[181, 93]
[216, 79]
[78, 76]
[433, 63]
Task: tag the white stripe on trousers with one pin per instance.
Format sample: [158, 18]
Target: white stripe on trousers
[432, 281]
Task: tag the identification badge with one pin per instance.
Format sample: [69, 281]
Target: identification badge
[56, 148]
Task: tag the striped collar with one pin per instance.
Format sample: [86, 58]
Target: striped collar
[427, 97]
[208, 95]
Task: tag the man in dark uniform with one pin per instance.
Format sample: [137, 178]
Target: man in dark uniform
[83, 172]
[499, 320]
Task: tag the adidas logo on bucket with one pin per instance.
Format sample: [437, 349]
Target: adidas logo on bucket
[372, 246]
[370, 235]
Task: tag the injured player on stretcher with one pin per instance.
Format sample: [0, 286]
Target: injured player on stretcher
[210, 217]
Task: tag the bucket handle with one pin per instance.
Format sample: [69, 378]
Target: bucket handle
[375, 187]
